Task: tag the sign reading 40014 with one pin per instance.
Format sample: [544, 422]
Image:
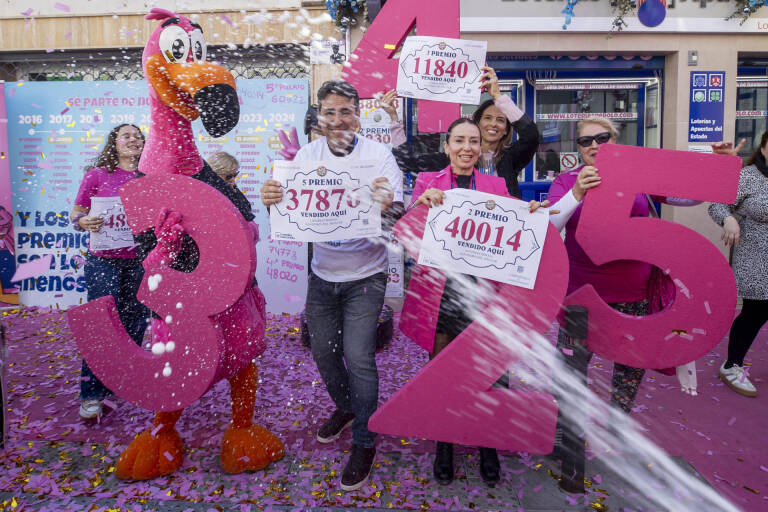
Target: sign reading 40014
[434, 68]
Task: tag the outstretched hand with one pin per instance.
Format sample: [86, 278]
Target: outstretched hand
[290, 144]
[726, 148]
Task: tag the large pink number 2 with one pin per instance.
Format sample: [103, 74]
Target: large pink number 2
[452, 395]
[372, 68]
[705, 287]
[185, 301]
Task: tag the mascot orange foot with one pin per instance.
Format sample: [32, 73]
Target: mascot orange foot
[245, 446]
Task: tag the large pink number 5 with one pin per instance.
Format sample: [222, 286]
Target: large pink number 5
[705, 287]
[372, 68]
[452, 395]
[184, 300]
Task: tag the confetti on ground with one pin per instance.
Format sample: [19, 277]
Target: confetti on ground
[61, 7]
[51, 452]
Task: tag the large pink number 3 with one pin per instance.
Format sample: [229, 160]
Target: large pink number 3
[705, 287]
[372, 68]
[452, 395]
[184, 300]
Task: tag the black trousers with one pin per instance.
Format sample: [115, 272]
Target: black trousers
[746, 326]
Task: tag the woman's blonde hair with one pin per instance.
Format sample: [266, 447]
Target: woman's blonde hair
[223, 163]
[605, 123]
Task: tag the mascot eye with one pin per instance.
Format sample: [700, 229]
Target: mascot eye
[199, 48]
[174, 44]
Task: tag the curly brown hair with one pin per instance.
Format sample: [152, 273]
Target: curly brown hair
[108, 157]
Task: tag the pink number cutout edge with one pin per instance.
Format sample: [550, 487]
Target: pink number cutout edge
[225, 270]
[452, 395]
[705, 299]
[372, 69]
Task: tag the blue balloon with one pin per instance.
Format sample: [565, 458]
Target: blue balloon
[652, 13]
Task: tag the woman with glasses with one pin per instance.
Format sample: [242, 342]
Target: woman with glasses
[623, 285]
[226, 166]
[499, 155]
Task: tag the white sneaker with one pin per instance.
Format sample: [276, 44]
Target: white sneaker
[90, 409]
[737, 380]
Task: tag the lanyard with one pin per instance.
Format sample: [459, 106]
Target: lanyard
[472, 183]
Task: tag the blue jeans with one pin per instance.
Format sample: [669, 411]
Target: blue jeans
[351, 308]
[120, 278]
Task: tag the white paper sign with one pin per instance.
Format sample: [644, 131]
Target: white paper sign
[325, 201]
[375, 123]
[115, 233]
[327, 52]
[440, 69]
[485, 235]
[395, 267]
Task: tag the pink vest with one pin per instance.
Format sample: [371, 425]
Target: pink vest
[418, 320]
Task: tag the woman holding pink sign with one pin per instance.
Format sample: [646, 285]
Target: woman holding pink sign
[115, 272]
[626, 286]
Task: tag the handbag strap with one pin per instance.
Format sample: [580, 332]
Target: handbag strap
[652, 211]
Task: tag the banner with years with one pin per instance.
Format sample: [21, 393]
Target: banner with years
[440, 69]
[485, 235]
[56, 129]
[325, 201]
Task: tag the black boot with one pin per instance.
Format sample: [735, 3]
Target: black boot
[444, 463]
[489, 466]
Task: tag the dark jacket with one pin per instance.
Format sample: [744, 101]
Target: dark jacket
[513, 158]
[189, 254]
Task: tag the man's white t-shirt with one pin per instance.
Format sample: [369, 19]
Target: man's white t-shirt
[357, 258]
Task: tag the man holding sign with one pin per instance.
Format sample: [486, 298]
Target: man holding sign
[348, 276]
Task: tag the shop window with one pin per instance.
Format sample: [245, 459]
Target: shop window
[632, 104]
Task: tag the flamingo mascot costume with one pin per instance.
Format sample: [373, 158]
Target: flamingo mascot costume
[183, 87]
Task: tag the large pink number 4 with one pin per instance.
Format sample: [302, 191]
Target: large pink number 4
[371, 67]
[705, 287]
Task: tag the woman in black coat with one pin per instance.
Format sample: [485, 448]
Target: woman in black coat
[496, 119]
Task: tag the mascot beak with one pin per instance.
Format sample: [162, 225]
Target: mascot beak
[193, 89]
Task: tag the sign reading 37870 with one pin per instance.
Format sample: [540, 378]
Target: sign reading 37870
[440, 69]
[325, 201]
[485, 235]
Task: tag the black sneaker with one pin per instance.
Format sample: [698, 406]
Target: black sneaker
[332, 428]
[358, 468]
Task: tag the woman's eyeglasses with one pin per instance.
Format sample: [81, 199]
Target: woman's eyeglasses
[228, 177]
[586, 140]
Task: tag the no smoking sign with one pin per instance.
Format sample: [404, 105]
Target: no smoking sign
[569, 160]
